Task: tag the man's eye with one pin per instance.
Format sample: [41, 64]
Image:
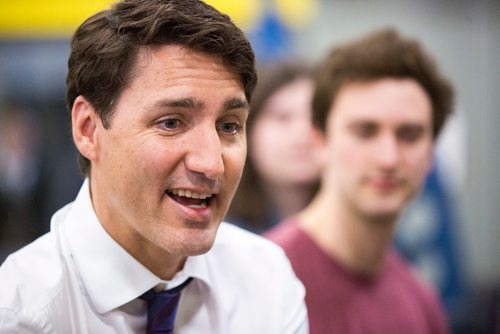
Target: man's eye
[365, 130]
[230, 128]
[410, 134]
[170, 123]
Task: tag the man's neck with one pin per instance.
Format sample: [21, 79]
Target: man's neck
[358, 244]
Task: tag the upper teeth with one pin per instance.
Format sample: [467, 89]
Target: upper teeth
[192, 194]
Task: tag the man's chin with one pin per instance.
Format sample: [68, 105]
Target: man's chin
[199, 250]
[388, 209]
[198, 245]
[385, 218]
[383, 215]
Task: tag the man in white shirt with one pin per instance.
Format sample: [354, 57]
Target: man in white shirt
[158, 92]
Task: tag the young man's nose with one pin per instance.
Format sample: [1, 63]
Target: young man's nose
[205, 154]
[387, 151]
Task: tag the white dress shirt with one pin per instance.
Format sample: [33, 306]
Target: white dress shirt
[77, 279]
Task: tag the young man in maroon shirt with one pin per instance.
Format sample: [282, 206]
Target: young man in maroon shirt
[380, 103]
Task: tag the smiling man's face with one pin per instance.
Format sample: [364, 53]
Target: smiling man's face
[165, 171]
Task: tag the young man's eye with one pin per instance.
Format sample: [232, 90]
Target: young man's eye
[410, 134]
[230, 127]
[365, 130]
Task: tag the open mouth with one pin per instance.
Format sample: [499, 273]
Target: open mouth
[191, 199]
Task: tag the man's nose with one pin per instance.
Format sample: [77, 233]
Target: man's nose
[387, 152]
[205, 154]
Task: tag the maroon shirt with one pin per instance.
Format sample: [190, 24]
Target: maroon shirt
[340, 301]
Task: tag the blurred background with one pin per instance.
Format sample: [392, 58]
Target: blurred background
[451, 233]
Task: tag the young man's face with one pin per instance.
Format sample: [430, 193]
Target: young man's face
[165, 171]
[379, 146]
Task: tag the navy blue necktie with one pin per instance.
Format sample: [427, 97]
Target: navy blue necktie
[162, 308]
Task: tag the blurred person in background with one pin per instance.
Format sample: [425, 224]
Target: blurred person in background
[159, 92]
[381, 103]
[281, 173]
[19, 176]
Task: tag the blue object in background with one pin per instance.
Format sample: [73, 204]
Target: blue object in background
[427, 237]
[271, 39]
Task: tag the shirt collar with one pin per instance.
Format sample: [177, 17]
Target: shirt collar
[112, 276]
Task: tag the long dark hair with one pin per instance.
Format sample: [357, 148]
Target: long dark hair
[251, 207]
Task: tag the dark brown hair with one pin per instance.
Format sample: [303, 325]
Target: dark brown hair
[251, 207]
[382, 54]
[105, 47]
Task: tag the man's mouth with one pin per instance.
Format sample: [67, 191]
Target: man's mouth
[191, 199]
[385, 184]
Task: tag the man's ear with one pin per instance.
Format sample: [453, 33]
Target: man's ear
[84, 123]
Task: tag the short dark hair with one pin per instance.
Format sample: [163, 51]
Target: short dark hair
[382, 54]
[105, 48]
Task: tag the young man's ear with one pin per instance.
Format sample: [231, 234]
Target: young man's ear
[84, 122]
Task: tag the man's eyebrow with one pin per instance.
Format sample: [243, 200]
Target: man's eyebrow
[186, 103]
[362, 122]
[193, 104]
[236, 103]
